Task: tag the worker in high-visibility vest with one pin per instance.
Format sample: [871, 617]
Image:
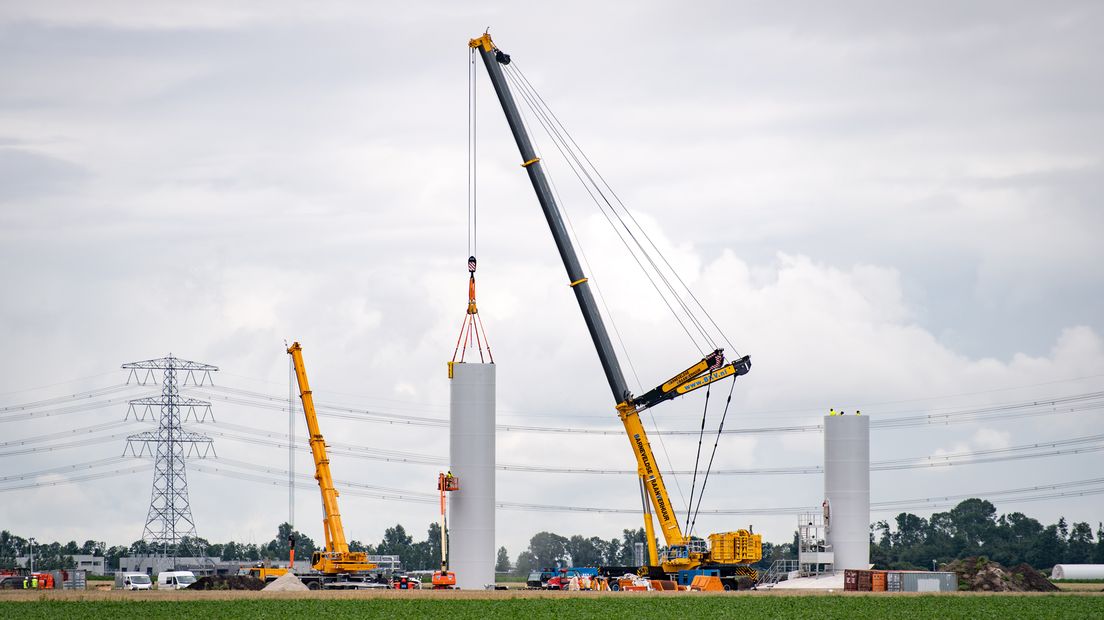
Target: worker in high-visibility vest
[34, 582]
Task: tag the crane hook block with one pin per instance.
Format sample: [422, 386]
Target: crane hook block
[471, 264]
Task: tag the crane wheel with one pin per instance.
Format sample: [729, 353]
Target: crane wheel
[314, 585]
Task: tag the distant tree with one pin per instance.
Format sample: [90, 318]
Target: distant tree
[279, 548]
[526, 563]
[356, 545]
[111, 559]
[629, 538]
[1047, 549]
[10, 548]
[502, 562]
[1098, 554]
[612, 556]
[548, 549]
[1079, 546]
[433, 546]
[585, 551]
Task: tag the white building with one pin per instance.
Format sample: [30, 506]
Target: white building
[94, 564]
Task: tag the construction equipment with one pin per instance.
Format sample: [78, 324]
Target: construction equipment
[730, 552]
[336, 559]
[445, 579]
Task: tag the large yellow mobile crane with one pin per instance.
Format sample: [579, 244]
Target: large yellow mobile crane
[730, 553]
[336, 558]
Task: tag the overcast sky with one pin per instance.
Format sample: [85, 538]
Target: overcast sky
[888, 206]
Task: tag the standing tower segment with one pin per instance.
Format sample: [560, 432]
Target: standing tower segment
[847, 489]
[169, 520]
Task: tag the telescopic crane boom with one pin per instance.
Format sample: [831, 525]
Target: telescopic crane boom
[336, 558]
[733, 549]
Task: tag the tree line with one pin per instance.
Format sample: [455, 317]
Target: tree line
[906, 542]
[973, 528]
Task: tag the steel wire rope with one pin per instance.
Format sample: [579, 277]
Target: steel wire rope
[697, 455]
[569, 156]
[76, 396]
[581, 171]
[85, 478]
[593, 278]
[50, 413]
[535, 110]
[869, 407]
[94, 428]
[1001, 412]
[50, 385]
[65, 468]
[283, 473]
[708, 468]
[73, 444]
[883, 506]
[632, 367]
[1014, 453]
[23, 408]
[644, 233]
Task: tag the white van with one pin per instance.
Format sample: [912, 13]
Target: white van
[133, 581]
[175, 580]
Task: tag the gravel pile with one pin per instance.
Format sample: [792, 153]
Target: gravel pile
[287, 582]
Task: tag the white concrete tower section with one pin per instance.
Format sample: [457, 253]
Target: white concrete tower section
[472, 456]
[847, 489]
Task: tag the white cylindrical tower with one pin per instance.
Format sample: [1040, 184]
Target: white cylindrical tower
[472, 456]
[847, 489]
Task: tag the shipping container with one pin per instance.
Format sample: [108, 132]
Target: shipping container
[851, 579]
[877, 581]
[865, 581]
[916, 581]
[893, 581]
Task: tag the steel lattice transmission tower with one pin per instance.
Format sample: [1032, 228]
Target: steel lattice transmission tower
[170, 514]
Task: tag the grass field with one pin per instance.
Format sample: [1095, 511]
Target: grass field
[476, 605]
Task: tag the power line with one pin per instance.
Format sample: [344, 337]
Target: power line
[77, 396]
[1013, 453]
[1090, 401]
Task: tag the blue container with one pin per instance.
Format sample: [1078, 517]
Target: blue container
[687, 576]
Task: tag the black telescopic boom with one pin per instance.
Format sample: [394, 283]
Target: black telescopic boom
[531, 163]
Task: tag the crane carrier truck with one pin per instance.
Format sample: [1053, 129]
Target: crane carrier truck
[335, 567]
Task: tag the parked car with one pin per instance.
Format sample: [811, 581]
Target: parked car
[175, 579]
[133, 581]
[538, 579]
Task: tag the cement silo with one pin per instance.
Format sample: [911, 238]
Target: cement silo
[847, 489]
[472, 458]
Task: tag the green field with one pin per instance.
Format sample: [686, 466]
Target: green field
[606, 607]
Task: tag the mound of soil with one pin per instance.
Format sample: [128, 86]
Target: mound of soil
[980, 574]
[227, 582]
[287, 582]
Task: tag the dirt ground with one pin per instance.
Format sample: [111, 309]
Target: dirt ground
[187, 595]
